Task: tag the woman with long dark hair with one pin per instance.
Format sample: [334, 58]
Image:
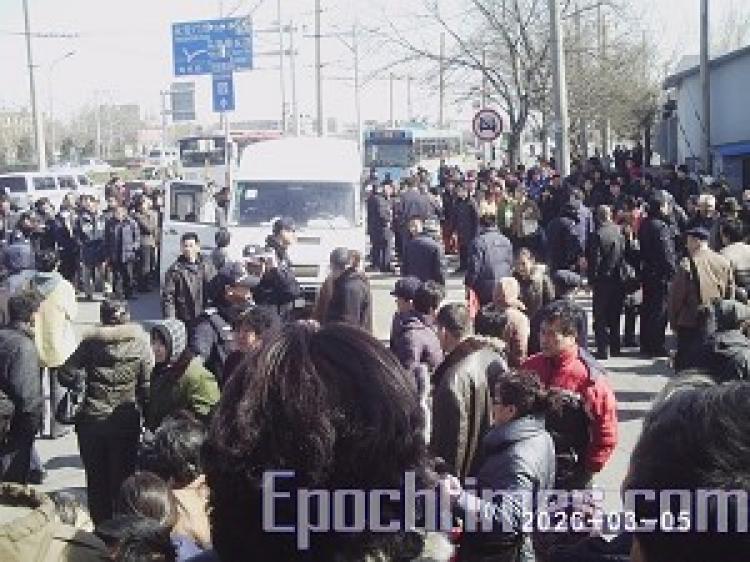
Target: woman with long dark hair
[336, 408]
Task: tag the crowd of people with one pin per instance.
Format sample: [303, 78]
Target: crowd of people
[184, 423]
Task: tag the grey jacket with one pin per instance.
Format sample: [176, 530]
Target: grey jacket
[518, 456]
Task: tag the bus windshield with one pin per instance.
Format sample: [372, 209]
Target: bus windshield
[195, 153]
[324, 205]
[396, 155]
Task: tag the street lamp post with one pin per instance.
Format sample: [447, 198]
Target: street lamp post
[51, 92]
[36, 120]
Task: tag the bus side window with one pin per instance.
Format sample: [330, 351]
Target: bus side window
[184, 207]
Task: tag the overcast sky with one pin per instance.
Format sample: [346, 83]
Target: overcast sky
[124, 52]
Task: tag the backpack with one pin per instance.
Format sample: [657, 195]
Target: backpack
[570, 429]
[222, 346]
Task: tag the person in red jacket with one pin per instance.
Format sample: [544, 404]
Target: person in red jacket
[562, 364]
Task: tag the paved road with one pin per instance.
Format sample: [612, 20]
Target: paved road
[635, 380]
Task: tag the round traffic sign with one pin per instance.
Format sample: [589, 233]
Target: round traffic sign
[488, 125]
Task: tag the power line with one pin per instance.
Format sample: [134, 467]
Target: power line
[44, 34]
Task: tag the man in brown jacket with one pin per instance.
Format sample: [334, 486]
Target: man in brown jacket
[701, 278]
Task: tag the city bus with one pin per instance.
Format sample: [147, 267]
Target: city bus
[315, 181]
[397, 152]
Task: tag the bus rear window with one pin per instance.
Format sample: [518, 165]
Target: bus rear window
[13, 184]
[67, 182]
[46, 183]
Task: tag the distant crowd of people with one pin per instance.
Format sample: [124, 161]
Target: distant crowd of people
[180, 420]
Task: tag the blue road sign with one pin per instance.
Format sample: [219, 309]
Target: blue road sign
[196, 45]
[223, 92]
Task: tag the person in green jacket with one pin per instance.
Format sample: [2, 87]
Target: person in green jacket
[179, 380]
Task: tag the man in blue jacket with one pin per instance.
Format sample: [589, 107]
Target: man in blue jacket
[423, 256]
[490, 259]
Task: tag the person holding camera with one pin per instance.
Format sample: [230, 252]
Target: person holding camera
[278, 287]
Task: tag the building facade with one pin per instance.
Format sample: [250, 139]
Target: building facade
[684, 132]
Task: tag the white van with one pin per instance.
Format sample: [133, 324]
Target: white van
[315, 181]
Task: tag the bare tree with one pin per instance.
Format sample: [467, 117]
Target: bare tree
[506, 42]
[733, 30]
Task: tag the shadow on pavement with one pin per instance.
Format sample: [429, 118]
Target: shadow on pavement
[64, 461]
[659, 368]
[634, 396]
[630, 415]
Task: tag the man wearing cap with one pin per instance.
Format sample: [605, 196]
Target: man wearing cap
[278, 287]
[211, 340]
[701, 278]
[423, 256]
[659, 262]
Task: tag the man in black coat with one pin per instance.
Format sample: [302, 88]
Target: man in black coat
[379, 220]
[121, 243]
[466, 224]
[423, 256]
[20, 385]
[564, 245]
[659, 264]
[606, 250]
[490, 259]
[413, 203]
[683, 187]
[278, 287]
[185, 290]
[351, 297]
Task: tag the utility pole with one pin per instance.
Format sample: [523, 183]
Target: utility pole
[560, 90]
[50, 91]
[391, 119]
[293, 65]
[409, 114]
[441, 118]
[705, 77]
[602, 29]
[165, 94]
[582, 125]
[37, 122]
[485, 145]
[318, 71]
[98, 125]
[281, 68]
[357, 86]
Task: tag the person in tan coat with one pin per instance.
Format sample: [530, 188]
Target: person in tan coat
[702, 277]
